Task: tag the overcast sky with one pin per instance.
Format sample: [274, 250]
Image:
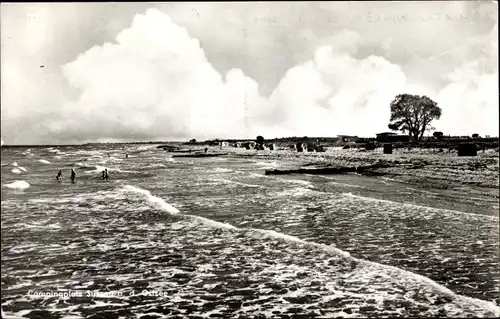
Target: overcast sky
[79, 72]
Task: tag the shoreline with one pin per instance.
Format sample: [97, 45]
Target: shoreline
[419, 167]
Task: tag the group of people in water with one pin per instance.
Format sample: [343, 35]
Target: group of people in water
[104, 175]
[73, 175]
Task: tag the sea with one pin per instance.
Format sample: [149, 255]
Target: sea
[215, 237]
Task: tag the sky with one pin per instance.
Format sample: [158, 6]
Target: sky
[97, 72]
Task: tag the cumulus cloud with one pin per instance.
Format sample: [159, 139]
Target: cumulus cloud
[155, 82]
[268, 70]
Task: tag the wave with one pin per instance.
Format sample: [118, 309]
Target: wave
[44, 161]
[267, 165]
[20, 185]
[99, 169]
[369, 266]
[160, 203]
[19, 315]
[385, 201]
[222, 170]
[226, 181]
[14, 164]
[156, 166]
[297, 191]
[16, 171]
[331, 180]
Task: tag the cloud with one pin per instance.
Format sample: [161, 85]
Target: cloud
[334, 92]
[470, 100]
[148, 85]
[258, 69]
[154, 82]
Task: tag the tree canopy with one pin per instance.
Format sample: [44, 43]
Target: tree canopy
[260, 140]
[413, 114]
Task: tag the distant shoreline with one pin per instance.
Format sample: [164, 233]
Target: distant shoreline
[327, 141]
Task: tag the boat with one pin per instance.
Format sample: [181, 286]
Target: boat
[184, 151]
[200, 155]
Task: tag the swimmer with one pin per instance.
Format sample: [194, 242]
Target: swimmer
[106, 175]
[73, 175]
[59, 175]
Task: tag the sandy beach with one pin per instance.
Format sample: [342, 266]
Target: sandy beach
[422, 167]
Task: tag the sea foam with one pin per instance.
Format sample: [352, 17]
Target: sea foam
[20, 185]
[369, 266]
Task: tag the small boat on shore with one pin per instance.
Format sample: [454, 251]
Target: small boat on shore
[200, 155]
[184, 151]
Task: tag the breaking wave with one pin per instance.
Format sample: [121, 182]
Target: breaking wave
[370, 268]
[19, 185]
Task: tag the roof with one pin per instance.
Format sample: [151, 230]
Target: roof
[387, 133]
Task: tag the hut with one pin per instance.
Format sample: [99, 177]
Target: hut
[300, 147]
[271, 146]
[249, 145]
[467, 149]
[388, 148]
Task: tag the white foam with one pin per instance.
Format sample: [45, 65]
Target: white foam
[44, 161]
[222, 170]
[160, 203]
[14, 164]
[11, 315]
[267, 165]
[375, 267]
[20, 185]
[237, 183]
[22, 168]
[98, 169]
[16, 171]
[415, 206]
[297, 191]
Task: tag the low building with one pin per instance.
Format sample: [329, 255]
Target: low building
[347, 138]
[390, 137]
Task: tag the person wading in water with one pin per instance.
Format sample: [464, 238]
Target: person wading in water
[105, 175]
[59, 175]
[73, 175]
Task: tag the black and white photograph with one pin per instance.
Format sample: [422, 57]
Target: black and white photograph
[271, 159]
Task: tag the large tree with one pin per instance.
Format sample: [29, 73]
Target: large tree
[413, 114]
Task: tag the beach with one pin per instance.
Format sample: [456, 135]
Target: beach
[216, 237]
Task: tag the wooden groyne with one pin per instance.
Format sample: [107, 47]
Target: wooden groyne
[329, 170]
[200, 155]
